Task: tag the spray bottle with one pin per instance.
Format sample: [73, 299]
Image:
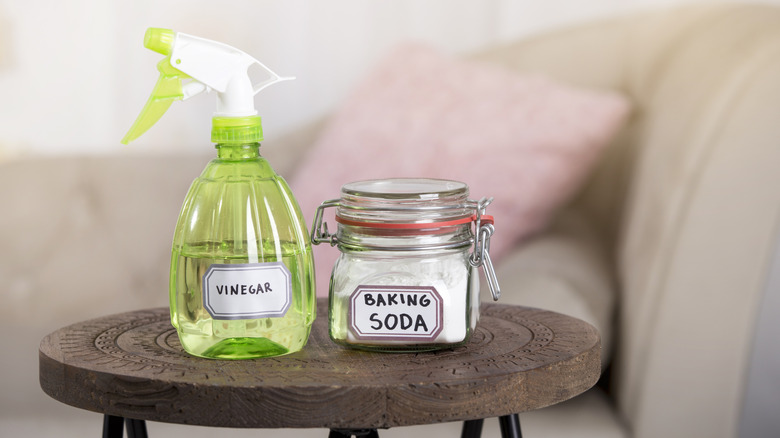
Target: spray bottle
[242, 273]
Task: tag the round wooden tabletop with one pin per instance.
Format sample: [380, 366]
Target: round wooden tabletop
[132, 365]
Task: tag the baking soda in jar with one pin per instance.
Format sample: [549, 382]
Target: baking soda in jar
[406, 278]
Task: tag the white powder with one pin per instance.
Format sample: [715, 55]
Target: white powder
[448, 273]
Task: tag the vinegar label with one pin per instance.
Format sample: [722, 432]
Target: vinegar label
[411, 314]
[247, 291]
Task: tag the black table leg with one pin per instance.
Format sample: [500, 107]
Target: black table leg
[472, 428]
[349, 433]
[510, 426]
[112, 426]
[135, 428]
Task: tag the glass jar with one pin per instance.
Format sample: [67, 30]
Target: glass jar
[406, 278]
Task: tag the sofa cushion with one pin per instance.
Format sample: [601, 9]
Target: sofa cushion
[527, 141]
[566, 269]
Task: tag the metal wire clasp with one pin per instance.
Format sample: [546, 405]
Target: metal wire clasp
[319, 229]
[483, 225]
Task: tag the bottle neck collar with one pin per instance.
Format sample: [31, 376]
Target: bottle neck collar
[238, 151]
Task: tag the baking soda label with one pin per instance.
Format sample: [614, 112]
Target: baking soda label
[396, 313]
[247, 290]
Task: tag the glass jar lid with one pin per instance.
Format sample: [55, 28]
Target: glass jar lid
[404, 203]
[406, 188]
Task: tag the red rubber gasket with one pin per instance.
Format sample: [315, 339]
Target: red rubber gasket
[413, 226]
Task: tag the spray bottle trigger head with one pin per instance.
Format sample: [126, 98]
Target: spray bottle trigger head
[167, 89]
[159, 40]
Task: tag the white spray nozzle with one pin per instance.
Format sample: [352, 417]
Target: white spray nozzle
[208, 65]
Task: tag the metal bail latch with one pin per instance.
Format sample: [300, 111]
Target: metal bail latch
[319, 229]
[481, 255]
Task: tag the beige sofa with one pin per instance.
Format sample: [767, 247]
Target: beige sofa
[669, 250]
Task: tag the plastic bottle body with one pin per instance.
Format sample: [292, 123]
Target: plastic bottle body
[240, 216]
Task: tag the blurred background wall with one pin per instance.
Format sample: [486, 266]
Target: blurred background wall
[74, 75]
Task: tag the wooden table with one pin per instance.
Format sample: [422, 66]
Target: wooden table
[131, 366]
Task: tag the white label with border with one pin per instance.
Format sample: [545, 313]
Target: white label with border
[247, 290]
[396, 313]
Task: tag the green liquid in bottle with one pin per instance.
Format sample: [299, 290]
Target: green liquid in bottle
[240, 212]
[204, 336]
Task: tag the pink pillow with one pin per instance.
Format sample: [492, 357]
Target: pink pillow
[527, 141]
